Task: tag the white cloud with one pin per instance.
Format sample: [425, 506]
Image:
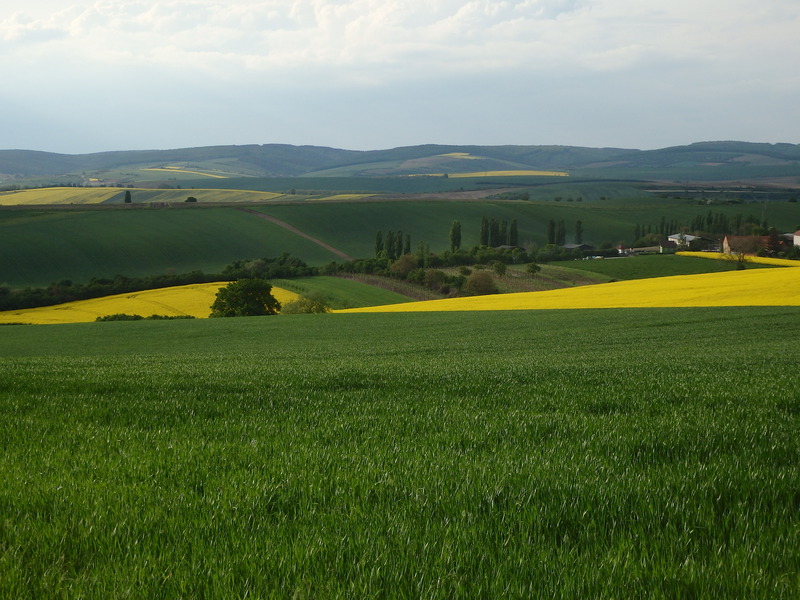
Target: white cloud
[445, 60]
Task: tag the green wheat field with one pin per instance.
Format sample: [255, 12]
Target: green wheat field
[533, 454]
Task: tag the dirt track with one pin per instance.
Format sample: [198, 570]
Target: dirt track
[296, 231]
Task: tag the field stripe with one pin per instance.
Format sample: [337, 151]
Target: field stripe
[296, 231]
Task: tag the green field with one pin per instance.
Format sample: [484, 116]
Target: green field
[656, 265]
[38, 247]
[337, 293]
[558, 454]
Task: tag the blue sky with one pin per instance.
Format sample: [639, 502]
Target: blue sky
[366, 74]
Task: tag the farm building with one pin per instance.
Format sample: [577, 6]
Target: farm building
[797, 238]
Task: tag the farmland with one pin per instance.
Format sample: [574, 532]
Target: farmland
[555, 454]
[760, 287]
[187, 301]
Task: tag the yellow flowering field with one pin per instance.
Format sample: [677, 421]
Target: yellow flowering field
[521, 172]
[761, 260]
[57, 195]
[511, 173]
[757, 287]
[179, 170]
[344, 197]
[464, 155]
[185, 300]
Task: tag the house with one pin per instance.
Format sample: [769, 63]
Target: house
[577, 247]
[797, 238]
[669, 246]
[682, 239]
[745, 244]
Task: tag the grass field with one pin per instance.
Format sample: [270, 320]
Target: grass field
[560, 454]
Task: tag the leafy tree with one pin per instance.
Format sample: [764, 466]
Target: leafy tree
[191, 199]
[378, 243]
[533, 268]
[407, 244]
[245, 298]
[480, 283]
[455, 236]
[127, 196]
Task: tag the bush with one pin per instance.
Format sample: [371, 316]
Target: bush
[480, 283]
[304, 306]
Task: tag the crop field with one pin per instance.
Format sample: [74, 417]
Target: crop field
[562, 454]
[337, 292]
[41, 247]
[58, 195]
[193, 300]
[760, 287]
[661, 265]
[516, 173]
[89, 195]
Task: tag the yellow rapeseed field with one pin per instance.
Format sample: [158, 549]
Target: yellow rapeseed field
[464, 155]
[761, 260]
[344, 197]
[57, 195]
[497, 174]
[757, 287]
[511, 173]
[186, 300]
[179, 170]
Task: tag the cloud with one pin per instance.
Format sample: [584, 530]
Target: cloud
[581, 69]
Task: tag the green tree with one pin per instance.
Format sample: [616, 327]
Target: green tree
[389, 245]
[127, 197]
[245, 298]
[378, 243]
[455, 236]
[533, 268]
[579, 232]
[479, 284]
[551, 232]
[304, 306]
[513, 234]
[484, 237]
[561, 234]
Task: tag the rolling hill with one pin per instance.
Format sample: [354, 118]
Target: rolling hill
[699, 161]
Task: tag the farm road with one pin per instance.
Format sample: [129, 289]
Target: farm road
[296, 231]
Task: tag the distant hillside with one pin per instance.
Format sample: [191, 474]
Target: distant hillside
[702, 161]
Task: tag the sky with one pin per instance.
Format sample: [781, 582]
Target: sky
[92, 76]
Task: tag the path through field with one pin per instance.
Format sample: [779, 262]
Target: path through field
[294, 230]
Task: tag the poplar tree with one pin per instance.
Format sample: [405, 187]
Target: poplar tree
[455, 236]
[484, 237]
[378, 243]
[513, 235]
